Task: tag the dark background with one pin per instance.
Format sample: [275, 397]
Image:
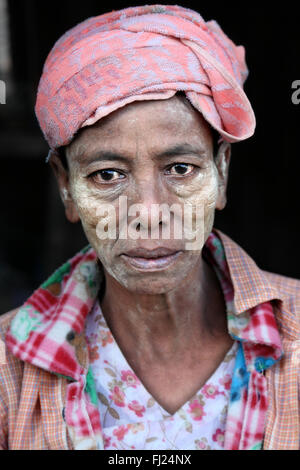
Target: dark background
[262, 214]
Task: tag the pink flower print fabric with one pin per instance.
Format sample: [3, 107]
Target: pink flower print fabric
[132, 419]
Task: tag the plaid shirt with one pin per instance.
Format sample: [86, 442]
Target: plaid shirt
[46, 385]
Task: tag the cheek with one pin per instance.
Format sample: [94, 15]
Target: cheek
[90, 205]
[201, 192]
[86, 203]
[200, 200]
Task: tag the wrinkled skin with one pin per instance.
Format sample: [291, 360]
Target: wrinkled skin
[176, 313]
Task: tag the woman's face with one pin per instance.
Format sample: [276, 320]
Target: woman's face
[148, 153]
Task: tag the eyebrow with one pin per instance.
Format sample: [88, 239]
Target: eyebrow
[183, 149]
[180, 149]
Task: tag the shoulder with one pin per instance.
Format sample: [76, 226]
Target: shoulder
[286, 284]
[257, 285]
[288, 287]
[11, 367]
[5, 321]
[288, 314]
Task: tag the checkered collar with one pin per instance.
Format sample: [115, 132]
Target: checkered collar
[48, 330]
[251, 285]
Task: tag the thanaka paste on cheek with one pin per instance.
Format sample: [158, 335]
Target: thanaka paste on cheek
[201, 194]
[88, 199]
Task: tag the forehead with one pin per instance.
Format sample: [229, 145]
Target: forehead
[152, 123]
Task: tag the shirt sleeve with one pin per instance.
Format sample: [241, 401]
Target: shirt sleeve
[3, 422]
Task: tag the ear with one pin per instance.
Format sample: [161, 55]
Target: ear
[62, 178]
[222, 161]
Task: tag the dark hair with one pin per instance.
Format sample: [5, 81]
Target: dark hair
[61, 151]
[215, 134]
[216, 137]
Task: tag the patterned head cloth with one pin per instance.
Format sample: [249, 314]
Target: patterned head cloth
[143, 53]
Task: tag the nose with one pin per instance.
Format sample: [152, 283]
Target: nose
[150, 205]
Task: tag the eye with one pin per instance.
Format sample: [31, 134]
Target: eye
[182, 169]
[106, 176]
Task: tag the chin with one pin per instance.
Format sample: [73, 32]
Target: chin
[153, 281]
[151, 286]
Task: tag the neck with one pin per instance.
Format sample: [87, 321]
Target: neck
[161, 325]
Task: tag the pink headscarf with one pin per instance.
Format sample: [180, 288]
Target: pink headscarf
[143, 53]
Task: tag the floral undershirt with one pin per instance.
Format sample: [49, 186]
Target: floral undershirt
[132, 419]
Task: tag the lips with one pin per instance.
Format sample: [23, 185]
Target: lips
[149, 254]
[150, 260]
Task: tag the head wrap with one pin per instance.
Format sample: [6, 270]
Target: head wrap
[143, 53]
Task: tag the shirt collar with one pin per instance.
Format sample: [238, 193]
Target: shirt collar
[48, 330]
[256, 326]
[251, 285]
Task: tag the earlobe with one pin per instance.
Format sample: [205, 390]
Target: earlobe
[62, 178]
[70, 208]
[222, 164]
[223, 159]
[71, 212]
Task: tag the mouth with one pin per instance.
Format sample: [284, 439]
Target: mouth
[151, 260]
